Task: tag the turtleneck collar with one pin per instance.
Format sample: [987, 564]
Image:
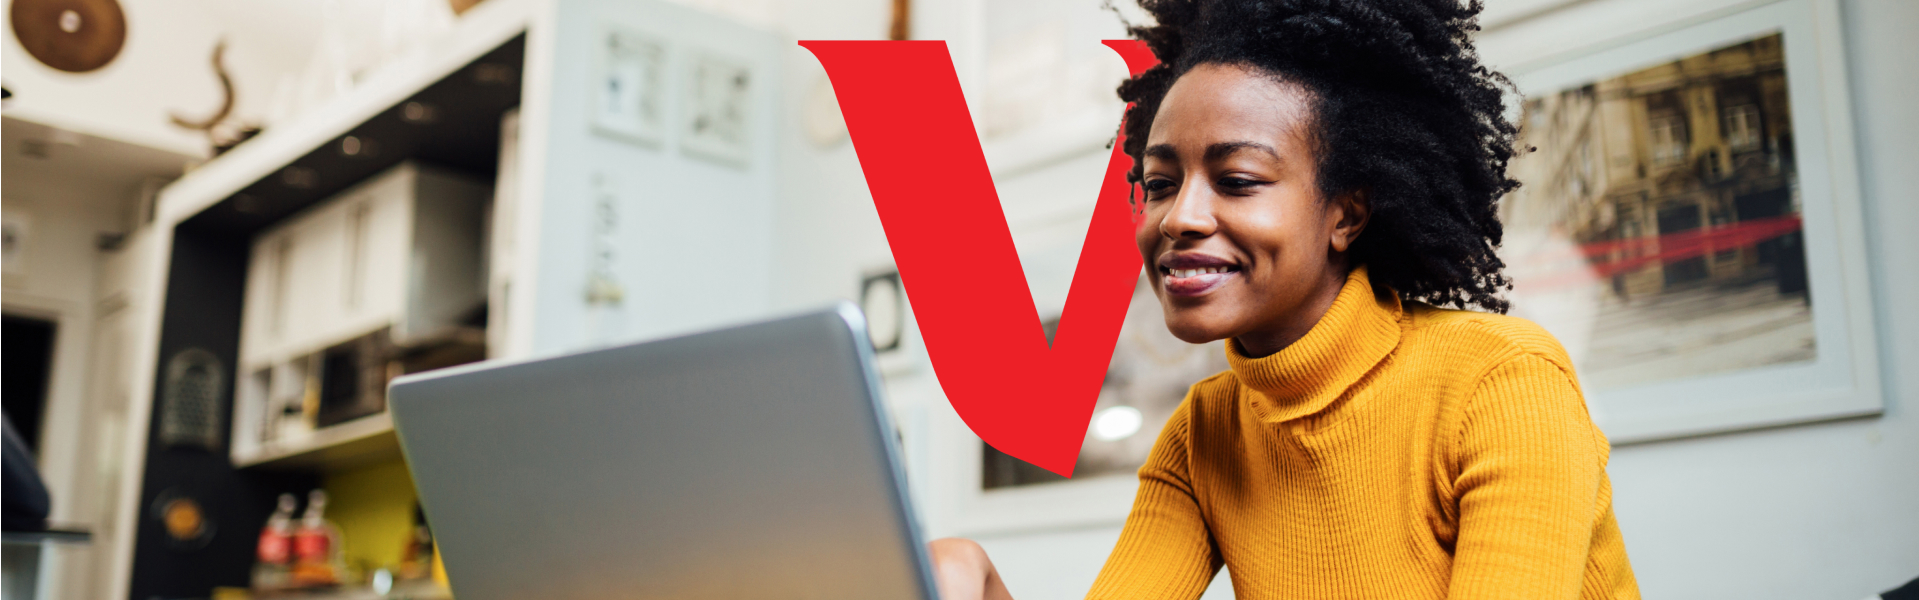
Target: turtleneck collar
[1302, 379]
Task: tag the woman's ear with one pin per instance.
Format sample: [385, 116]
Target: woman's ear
[1350, 213]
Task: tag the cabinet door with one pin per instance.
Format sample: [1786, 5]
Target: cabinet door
[261, 313]
[314, 258]
[387, 209]
[446, 273]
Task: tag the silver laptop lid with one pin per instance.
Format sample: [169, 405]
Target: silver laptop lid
[750, 462]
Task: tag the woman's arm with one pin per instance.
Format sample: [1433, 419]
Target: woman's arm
[1165, 552]
[963, 572]
[1530, 484]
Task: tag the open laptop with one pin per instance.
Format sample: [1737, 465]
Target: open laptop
[749, 462]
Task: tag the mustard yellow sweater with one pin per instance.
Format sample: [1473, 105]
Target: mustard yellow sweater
[1393, 452]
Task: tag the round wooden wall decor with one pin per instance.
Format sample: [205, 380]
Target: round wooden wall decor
[75, 36]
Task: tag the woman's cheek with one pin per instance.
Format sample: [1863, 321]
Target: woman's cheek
[1146, 234]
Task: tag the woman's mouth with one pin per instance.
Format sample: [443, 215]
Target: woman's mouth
[1194, 281]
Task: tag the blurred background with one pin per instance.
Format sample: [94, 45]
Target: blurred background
[229, 223]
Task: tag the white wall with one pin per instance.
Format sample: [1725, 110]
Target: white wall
[59, 286]
[692, 237]
[58, 283]
[1810, 511]
[81, 188]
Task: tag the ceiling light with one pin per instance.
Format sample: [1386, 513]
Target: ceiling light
[303, 178]
[247, 203]
[419, 113]
[358, 147]
[493, 73]
[1116, 423]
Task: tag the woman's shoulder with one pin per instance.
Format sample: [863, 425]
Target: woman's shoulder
[1216, 395]
[1221, 386]
[1513, 378]
[1488, 336]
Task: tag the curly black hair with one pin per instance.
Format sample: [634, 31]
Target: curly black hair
[1402, 109]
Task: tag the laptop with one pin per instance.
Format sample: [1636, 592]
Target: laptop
[756, 461]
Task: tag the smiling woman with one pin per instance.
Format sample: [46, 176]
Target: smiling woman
[1245, 245]
[1387, 101]
[1318, 179]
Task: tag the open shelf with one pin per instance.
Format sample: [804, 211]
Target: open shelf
[365, 440]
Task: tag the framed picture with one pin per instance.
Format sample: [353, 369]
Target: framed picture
[883, 300]
[718, 109]
[897, 348]
[629, 96]
[1688, 226]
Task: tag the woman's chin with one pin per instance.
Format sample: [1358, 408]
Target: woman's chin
[1195, 328]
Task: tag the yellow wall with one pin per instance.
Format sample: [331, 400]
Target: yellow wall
[373, 506]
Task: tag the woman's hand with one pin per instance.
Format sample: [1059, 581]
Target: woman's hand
[962, 571]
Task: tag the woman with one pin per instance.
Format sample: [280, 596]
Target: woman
[1318, 177]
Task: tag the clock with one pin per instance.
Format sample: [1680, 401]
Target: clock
[883, 300]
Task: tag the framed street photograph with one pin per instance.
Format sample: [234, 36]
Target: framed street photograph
[1688, 226]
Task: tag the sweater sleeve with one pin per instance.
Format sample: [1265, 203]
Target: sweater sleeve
[1165, 551]
[1530, 469]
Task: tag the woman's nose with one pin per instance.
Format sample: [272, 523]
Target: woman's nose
[1190, 216]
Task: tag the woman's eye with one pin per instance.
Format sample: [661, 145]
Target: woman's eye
[1157, 187]
[1237, 183]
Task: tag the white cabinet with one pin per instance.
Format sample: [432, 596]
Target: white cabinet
[337, 294]
[403, 249]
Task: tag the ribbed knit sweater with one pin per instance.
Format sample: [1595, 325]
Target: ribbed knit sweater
[1393, 452]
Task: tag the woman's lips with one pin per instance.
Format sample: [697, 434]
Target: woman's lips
[1195, 281]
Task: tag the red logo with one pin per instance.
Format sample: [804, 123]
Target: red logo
[915, 141]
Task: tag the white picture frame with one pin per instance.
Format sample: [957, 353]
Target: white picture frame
[883, 298]
[716, 119]
[630, 86]
[1842, 380]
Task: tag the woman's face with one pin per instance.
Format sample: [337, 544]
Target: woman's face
[1237, 240]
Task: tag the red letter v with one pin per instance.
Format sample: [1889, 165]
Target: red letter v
[909, 125]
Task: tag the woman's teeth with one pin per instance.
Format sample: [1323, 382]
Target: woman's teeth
[1196, 272]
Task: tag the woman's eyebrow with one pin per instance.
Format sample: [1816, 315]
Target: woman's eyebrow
[1162, 152]
[1225, 149]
